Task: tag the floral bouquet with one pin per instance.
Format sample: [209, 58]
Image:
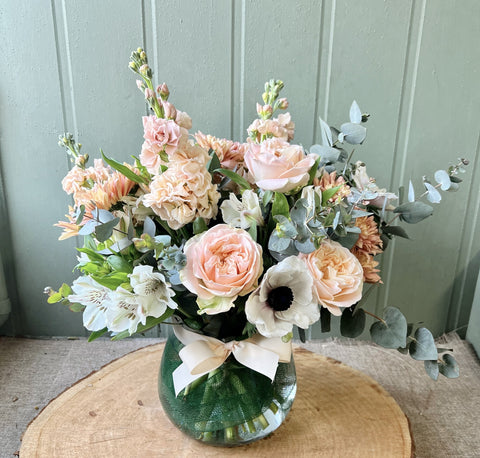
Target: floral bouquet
[234, 245]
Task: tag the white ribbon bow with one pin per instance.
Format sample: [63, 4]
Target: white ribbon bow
[203, 354]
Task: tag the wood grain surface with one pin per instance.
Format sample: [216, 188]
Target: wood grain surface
[115, 412]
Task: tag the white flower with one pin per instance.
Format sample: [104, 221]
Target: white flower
[242, 213]
[370, 190]
[153, 287]
[283, 299]
[95, 298]
[125, 311]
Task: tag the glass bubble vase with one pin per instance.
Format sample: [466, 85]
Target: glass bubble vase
[230, 406]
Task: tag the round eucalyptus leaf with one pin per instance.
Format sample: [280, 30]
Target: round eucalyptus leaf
[433, 195]
[353, 133]
[443, 178]
[413, 212]
[355, 113]
[423, 347]
[453, 187]
[449, 366]
[431, 368]
[392, 332]
[352, 322]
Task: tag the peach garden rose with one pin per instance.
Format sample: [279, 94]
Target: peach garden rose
[275, 165]
[222, 264]
[337, 276]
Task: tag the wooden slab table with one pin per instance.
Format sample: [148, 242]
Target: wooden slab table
[115, 412]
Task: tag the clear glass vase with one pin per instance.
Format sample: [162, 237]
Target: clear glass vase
[232, 405]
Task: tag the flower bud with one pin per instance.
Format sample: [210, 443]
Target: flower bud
[143, 56]
[144, 69]
[149, 94]
[163, 91]
[140, 84]
[139, 50]
[283, 103]
[132, 65]
[169, 110]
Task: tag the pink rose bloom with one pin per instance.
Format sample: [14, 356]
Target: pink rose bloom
[337, 276]
[162, 134]
[222, 264]
[278, 166]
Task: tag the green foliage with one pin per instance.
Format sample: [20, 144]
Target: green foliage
[423, 347]
[280, 205]
[352, 322]
[96, 334]
[414, 212]
[124, 170]
[449, 366]
[392, 331]
[150, 323]
[244, 184]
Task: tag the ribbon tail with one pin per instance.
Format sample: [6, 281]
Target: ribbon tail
[182, 377]
[257, 358]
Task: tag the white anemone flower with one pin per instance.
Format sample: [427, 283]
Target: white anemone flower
[95, 298]
[283, 299]
[153, 287]
[242, 213]
[125, 311]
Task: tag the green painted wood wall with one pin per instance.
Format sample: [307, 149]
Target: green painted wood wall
[414, 65]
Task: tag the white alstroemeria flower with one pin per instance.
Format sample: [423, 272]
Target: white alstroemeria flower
[125, 311]
[153, 287]
[242, 213]
[95, 298]
[283, 299]
[370, 190]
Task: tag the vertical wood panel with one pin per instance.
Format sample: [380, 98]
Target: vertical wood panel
[411, 64]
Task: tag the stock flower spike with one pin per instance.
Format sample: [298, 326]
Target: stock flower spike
[234, 239]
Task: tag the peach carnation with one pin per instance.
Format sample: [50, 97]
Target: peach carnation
[281, 127]
[182, 193]
[228, 152]
[337, 276]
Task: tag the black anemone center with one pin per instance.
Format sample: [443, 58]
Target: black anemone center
[280, 299]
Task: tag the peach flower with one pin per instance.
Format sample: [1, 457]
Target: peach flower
[281, 128]
[337, 276]
[222, 264]
[162, 134]
[278, 166]
[182, 193]
[329, 181]
[369, 265]
[369, 240]
[229, 153]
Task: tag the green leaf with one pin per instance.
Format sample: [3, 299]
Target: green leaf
[325, 319]
[352, 322]
[96, 334]
[449, 367]
[313, 171]
[150, 322]
[199, 226]
[301, 335]
[431, 368]
[328, 194]
[214, 162]
[111, 281]
[119, 264]
[104, 231]
[123, 169]
[423, 347]
[396, 230]
[92, 255]
[392, 332]
[252, 230]
[244, 184]
[65, 290]
[267, 197]
[280, 205]
[80, 215]
[54, 298]
[414, 212]
[74, 307]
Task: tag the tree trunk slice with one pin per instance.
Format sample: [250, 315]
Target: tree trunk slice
[115, 412]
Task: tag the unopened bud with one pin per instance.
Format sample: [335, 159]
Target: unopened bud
[283, 103]
[144, 69]
[140, 84]
[163, 91]
[169, 110]
[48, 290]
[149, 94]
[139, 50]
[132, 65]
[465, 161]
[143, 56]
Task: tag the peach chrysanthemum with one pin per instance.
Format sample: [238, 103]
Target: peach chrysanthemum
[329, 181]
[370, 272]
[369, 240]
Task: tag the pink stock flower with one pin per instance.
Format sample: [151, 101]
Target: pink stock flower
[162, 134]
[278, 166]
[281, 127]
[222, 264]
